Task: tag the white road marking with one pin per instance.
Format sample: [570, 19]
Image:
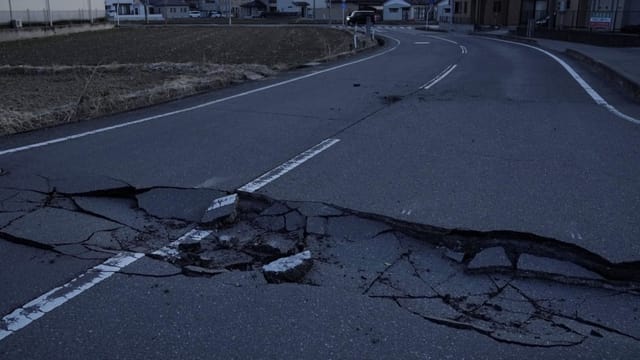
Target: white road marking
[587, 88]
[206, 104]
[223, 201]
[43, 304]
[421, 43]
[39, 306]
[463, 49]
[438, 77]
[443, 39]
[289, 165]
[171, 250]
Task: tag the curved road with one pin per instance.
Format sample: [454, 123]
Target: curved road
[447, 130]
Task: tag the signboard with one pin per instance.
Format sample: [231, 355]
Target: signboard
[600, 21]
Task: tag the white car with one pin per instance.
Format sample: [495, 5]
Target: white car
[194, 14]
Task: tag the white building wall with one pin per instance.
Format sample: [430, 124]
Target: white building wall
[37, 10]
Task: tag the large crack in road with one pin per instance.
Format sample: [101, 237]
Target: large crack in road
[513, 287]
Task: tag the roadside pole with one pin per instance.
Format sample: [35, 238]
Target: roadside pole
[10, 14]
[90, 12]
[344, 6]
[49, 12]
[229, 11]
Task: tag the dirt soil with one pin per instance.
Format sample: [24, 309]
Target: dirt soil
[69, 78]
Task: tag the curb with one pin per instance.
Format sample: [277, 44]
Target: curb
[507, 37]
[629, 86]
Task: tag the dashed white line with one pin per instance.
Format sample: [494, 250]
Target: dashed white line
[421, 43]
[41, 305]
[463, 49]
[38, 307]
[443, 39]
[587, 88]
[289, 165]
[438, 77]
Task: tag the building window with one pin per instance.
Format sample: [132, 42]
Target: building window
[497, 6]
[466, 9]
[393, 10]
[456, 7]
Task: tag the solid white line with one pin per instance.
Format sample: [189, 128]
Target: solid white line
[463, 49]
[443, 39]
[439, 78]
[289, 165]
[209, 103]
[39, 306]
[43, 304]
[587, 88]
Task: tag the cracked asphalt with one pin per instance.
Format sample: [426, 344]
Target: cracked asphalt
[493, 215]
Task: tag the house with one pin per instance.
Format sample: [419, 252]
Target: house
[254, 8]
[170, 9]
[39, 11]
[131, 10]
[395, 10]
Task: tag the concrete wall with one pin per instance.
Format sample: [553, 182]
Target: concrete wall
[38, 32]
[61, 10]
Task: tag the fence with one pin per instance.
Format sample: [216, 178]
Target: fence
[611, 21]
[39, 17]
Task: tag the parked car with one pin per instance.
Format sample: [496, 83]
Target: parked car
[194, 14]
[361, 17]
[215, 14]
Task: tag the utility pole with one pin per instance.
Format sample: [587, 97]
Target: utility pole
[49, 12]
[146, 11]
[90, 12]
[10, 14]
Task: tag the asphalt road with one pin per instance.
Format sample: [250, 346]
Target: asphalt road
[505, 140]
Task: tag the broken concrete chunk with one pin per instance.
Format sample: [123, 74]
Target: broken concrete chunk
[271, 223]
[275, 209]
[276, 244]
[221, 208]
[228, 241]
[316, 225]
[288, 269]
[318, 209]
[454, 255]
[223, 259]
[553, 266]
[190, 245]
[294, 221]
[197, 270]
[494, 256]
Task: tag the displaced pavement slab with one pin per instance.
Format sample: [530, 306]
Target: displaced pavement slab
[494, 256]
[176, 203]
[49, 227]
[553, 266]
[84, 184]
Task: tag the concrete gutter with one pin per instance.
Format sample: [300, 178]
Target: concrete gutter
[624, 82]
[629, 86]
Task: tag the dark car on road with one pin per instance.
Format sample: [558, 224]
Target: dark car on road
[361, 17]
